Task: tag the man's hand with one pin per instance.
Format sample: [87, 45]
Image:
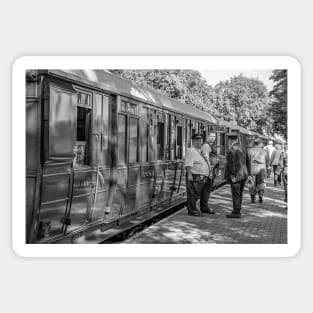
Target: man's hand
[189, 177]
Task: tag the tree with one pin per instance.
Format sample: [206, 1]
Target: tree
[278, 104]
[185, 85]
[240, 99]
[244, 101]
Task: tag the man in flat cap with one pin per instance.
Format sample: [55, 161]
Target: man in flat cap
[198, 181]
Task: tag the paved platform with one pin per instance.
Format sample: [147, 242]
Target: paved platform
[264, 223]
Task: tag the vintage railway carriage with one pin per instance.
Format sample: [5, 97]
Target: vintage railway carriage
[101, 149]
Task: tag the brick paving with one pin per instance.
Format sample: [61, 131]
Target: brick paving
[260, 223]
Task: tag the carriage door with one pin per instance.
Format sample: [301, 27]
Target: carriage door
[127, 161]
[180, 151]
[59, 134]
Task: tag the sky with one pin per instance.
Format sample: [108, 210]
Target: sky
[215, 76]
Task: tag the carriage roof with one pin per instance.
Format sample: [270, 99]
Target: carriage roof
[115, 84]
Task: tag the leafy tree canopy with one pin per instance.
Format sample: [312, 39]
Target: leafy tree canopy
[278, 103]
[240, 99]
[243, 100]
[185, 85]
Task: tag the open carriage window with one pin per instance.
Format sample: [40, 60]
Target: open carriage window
[160, 141]
[82, 129]
[179, 143]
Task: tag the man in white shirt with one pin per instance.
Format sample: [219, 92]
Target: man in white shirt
[198, 181]
[269, 149]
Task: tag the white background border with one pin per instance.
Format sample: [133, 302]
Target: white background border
[177, 250]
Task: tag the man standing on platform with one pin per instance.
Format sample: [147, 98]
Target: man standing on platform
[209, 152]
[258, 159]
[276, 162]
[284, 162]
[198, 181]
[269, 149]
[236, 173]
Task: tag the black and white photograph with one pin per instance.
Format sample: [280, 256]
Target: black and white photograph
[156, 156]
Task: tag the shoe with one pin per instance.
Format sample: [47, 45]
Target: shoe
[233, 215]
[209, 211]
[195, 213]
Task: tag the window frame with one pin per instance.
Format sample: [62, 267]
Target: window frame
[138, 117]
[179, 122]
[144, 123]
[118, 162]
[128, 117]
[89, 124]
[162, 144]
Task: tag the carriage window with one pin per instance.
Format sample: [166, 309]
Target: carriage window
[152, 136]
[168, 137]
[121, 138]
[193, 131]
[83, 123]
[60, 123]
[105, 127]
[82, 115]
[222, 143]
[144, 143]
[160, 141]
[179, 143]
[187, 134]
[133, 140]
[172, 154]
[204, 135]
[83, 99]
[144, 135]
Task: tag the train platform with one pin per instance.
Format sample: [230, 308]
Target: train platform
[264, 223]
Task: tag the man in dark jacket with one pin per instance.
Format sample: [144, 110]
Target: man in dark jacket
[236, 173]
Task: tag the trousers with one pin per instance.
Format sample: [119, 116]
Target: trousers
[198, 188]
[259, 186]
[237, 192]
[277, 174]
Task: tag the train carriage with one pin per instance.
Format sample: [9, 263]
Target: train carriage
[99, 150]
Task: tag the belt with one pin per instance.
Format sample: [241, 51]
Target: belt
[200, 176]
